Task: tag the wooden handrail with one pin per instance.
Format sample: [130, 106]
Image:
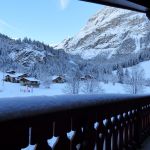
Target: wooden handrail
[127, 121]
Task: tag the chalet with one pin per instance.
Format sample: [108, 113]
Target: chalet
[14, 77]
[58, 79]
[25, 75]
[30, 82]
[82, 78]
[11, 78]
[86, 77]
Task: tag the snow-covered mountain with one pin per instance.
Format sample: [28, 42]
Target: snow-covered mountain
[25, 52]
[111, 31]
[34, 57]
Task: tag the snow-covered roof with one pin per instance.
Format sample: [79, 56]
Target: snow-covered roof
[10, 71]
[55, 77]
[32, 79]
[15, 75]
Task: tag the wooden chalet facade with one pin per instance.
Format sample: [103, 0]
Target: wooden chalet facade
[14, 77]
[58, 79]
[23, 79]
[86, 77]
[30, 82]
[11, 78]
[25, 75]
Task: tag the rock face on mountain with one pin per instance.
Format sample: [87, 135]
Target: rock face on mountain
[24, 52]
[109, 32]
[34, 57]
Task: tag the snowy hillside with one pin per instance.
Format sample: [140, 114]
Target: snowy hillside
[145, 65]
[111, 31]
[34, 57]
[16, 90]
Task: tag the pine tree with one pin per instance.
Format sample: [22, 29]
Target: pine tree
[120, 74]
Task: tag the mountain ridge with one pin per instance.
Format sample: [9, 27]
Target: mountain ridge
[110, 31]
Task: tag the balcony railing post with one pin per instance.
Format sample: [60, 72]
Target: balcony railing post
[43, 145]
[108, 133]
[121, 132]
[131, 129]
[77, 126]
[100, 133]
[138, 127]
[41, 131]
[148, 120]
[89, 132]
[13, 135]
[126, 129]
[145, 124]
[115, 133]
[62, 127]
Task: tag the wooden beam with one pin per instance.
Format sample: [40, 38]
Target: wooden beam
[135, 5]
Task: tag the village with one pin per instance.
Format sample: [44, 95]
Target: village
[14, 84]
[24, 79]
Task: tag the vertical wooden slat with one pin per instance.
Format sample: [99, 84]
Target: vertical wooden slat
[89, 132]
[41, 131]
[43, 145]
[62, 126]
[148, 119]
[138, 127]
[121, 128]
[13, 135]
[115, 133]
[77, 126]
[100, 134]
[63, 143]
[126, 128]
[108, 132]
[77, 140]
[130, 132]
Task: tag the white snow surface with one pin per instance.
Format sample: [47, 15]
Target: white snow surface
[15, 75]
[31, 79]
[103, 25]
[145, 66]
[16, 90]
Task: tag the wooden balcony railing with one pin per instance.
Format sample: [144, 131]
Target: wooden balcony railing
[91, 122]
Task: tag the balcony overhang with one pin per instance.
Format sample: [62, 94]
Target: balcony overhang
[135, 5]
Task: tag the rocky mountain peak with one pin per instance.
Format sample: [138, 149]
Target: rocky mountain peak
[110, 31]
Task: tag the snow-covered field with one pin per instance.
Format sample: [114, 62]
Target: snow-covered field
[16, 90]
[145, 65]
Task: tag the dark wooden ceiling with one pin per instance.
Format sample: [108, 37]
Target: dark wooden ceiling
[136, 5]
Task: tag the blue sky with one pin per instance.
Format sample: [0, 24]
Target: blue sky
[49, 21]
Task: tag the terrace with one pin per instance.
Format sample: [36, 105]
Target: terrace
[93, 121]
[110, 122]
